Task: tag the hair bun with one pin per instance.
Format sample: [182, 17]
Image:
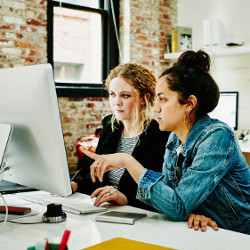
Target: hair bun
[199, 59]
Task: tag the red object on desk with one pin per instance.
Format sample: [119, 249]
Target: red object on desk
[64, 240]
[47, 247]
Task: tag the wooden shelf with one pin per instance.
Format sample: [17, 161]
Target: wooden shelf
[230, 51]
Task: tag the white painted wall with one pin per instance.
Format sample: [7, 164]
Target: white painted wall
[235, 15]
[232, 73]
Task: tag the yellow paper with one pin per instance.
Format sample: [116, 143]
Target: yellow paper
[122, 243]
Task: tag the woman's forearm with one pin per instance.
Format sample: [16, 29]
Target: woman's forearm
[104, 163]
[133, 166]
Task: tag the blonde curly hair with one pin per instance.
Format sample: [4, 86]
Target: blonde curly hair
[143, 80]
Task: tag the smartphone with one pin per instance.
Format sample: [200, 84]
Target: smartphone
[15, 210]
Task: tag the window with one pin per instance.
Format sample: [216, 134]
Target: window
[82, 46]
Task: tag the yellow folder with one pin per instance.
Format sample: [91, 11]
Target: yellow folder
[122, 243]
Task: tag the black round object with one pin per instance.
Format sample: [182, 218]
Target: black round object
[54, 213]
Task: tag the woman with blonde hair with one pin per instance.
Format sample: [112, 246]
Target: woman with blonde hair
[130, 129]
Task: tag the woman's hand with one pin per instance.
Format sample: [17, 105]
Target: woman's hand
[103, 163]
[109, 194]
[74, 186]
[196, 221]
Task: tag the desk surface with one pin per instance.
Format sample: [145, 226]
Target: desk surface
[85, 231]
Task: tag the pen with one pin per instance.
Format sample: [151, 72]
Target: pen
[64, 240]
[75, 175]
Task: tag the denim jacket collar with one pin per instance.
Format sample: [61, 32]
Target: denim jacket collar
[195, 132]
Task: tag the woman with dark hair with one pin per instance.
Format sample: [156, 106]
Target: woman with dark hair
[204, 169]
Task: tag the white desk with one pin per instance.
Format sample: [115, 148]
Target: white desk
[154, 229]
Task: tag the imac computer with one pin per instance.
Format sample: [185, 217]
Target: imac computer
[35, 155]
[227, 109]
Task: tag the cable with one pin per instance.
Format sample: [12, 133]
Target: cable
[27, 223]
[17, 222]
[116, 32]
[6, 213]
[2, 170]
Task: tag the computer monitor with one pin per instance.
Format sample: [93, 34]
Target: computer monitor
[35, 154]
[227, 109]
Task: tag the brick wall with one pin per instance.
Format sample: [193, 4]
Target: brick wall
[23, 32]
[80, 117]
[145, 26]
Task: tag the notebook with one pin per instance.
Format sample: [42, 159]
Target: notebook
[122, 244]
[119, 217]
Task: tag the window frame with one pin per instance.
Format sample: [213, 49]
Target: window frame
[109, 48]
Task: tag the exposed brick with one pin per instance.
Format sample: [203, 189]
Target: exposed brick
[67, 134]
[29, 59]
[33, 53]
[91, 125]
[139, 18]
[35, 22]
[153, 19]
[143, 38]
[21, 44]
[7, 26]
[90, 105]
[19, 36]
[4, 41]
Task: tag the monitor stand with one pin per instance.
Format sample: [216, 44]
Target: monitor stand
[5, 132]
[7, 186]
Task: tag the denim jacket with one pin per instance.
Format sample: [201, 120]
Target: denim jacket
[215, 178]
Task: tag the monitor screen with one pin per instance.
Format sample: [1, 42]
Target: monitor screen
[35, 155]
[227, 109]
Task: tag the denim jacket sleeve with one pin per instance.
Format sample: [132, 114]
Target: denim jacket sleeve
[211, 156]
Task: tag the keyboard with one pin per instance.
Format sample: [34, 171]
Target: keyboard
[69, 204]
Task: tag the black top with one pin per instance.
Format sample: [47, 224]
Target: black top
[149, 151]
